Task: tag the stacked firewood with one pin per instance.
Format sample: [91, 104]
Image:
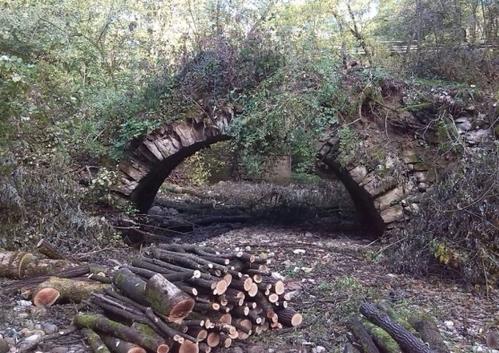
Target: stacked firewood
[186, 298]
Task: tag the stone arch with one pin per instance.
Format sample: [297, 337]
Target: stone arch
[154, 156]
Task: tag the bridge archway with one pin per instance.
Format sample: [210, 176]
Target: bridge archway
[151, 159]
[383, 194]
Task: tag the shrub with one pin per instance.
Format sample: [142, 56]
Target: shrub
[456, 230]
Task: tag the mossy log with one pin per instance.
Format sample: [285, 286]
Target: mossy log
[400, 316]
[102, 324]
[362, 335]
[383, 340]
[94, 341]
[18, 264]
[131, 285]
[167, 299]
[406, 340]
[65, 289]
[116, 345]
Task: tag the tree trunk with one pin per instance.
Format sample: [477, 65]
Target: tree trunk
[167, 299]
[406, 340]
[56, 289]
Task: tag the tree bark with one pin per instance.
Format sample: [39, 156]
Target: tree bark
[168, 299]
[131, 285]
[95, 341]
[406, 340]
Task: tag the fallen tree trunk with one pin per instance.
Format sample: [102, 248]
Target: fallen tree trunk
[56, 289]
[406, 340]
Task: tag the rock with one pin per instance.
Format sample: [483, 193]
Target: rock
[4, 346]
[255, 349]
[318, 349]
[388, 199]
[422, 187]
[392, 214]
[298, 251]
[358, 173]
[477, 136]
[492, 339]
[449, 324]
[409, 157]
[155, 211]
[59, 350]
[463, 124]
[49, 328]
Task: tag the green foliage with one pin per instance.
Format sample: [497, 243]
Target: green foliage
[347, 147]
[286, 112]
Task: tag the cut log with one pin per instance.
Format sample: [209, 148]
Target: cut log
[204, 348]
[20, 264]
[289, 317]
[64, 289]
[167, 299]
[429, 332]
[47, 249]
[362, 335]
[188, 347]
[213, 339]
[131, 285]
[406, 340]
[102, 324]
[116, 345]
[94, 341]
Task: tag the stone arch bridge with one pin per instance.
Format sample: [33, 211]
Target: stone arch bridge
[385, 178]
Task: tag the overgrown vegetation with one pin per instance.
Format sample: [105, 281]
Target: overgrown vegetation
[456, 232]
[82, 82]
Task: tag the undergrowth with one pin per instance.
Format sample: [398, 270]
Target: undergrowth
[456, 231]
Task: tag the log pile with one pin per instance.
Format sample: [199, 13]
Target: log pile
[186, 299]
[383, 330]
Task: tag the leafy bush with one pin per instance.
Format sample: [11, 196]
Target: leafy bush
[456, 230]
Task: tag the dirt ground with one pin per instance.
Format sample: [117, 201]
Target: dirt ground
[329, 274]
